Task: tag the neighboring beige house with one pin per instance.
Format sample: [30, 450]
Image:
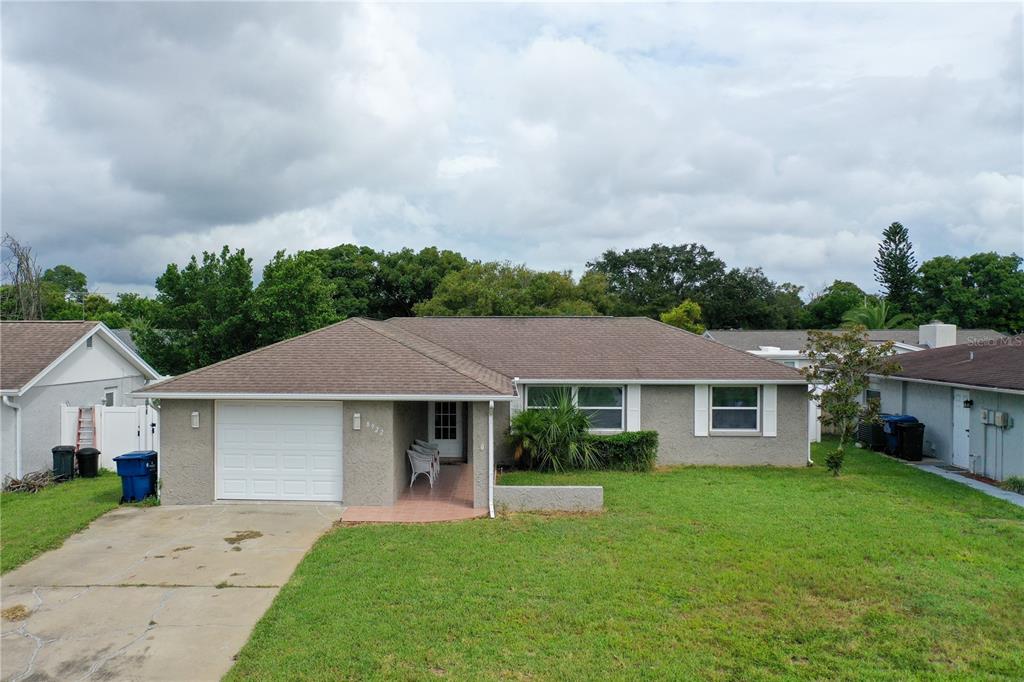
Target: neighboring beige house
[970, 398]
[47, 365]
[329, 415]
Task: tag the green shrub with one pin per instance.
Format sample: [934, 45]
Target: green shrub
[1015, 484]
[629, 451]
[555, 437]
[834, 461]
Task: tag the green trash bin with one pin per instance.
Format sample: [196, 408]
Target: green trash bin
[63, 462]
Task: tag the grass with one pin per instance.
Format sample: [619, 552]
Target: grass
[32, 523]
[691, 573]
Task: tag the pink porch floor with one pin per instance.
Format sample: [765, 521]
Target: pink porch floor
[451, 499]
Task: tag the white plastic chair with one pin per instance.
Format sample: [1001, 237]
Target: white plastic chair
[421, 464]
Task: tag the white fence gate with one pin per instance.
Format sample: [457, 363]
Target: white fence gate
[118, 430]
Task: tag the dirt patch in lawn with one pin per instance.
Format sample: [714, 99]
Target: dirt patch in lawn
[242, 535]
[16, 612]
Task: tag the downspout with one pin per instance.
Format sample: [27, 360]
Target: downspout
[490, 458]
[17, 435]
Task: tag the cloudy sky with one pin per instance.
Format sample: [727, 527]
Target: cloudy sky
[785, 136]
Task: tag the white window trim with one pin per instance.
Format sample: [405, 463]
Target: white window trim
[574, 391]
[711, 409]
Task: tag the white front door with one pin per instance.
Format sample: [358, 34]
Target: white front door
[444, 427]
[961, 430]
[278, 451]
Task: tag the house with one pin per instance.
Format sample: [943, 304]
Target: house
[329, 415]
[47, 365]
[971, 400]
[788, 346]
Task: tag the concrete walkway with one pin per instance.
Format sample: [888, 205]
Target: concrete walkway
[159, 593]
[990, 490]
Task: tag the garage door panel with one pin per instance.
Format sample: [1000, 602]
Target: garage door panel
[279, 451]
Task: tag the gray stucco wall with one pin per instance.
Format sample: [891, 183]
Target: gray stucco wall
[503, 454]
[476, 450]
[669, 411]
[997, 452]
[410, 423]
[186, 454]
[368, 457]
[933, 406]
[40, 419]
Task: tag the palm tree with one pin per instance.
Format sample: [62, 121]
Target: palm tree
[878, 315]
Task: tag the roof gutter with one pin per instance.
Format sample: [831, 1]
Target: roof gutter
[17, 434]
[180, 395]
[952, 384]
[665, 382]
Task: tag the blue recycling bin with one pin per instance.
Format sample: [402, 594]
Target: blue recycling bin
[889, 423]
[138, 474]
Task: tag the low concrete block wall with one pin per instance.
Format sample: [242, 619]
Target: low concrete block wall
[515, 498]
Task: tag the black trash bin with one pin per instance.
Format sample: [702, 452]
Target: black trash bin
[910, 436]
[63, 462]
[88, 462]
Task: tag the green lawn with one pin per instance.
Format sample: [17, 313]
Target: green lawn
[691, 573]
[31, 523]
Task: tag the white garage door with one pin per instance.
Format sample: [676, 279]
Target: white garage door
[278, 451]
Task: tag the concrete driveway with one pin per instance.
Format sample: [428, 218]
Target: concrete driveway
[158, 593]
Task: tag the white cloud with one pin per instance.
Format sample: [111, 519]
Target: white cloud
[780, 136]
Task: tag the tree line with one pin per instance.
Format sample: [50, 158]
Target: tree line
[210, 308]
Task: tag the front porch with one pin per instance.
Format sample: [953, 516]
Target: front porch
[450, 499]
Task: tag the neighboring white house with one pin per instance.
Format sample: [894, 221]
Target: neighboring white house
[970, 398]
[789, 346]
[47, 366]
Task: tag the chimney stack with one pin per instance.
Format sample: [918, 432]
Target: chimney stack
[936, 335]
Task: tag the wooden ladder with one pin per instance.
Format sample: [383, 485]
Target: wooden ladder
[86, 433]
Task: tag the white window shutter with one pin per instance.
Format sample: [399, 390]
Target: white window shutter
[700, 409]
[770, 410]
[633, 407]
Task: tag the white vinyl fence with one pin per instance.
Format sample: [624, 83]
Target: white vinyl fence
[118, 430]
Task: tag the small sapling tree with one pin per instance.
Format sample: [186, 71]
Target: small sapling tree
[841, 363]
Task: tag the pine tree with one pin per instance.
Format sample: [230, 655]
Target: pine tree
[896, 268]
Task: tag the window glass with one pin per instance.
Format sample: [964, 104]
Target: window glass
[600, 396]
[446, 421]
[734, 396]
[734, 408]
[605, 419]
[108, 398]
[734, 419]
[870, 395]
[544, 396]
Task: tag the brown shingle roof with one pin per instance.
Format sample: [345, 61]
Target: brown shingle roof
[996, 364]
[796, 339]
[354, 357]
[27, 348]
[591, 348]
[472, 356]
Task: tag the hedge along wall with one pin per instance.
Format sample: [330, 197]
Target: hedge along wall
[627, 451]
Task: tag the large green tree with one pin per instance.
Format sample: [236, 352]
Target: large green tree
[896, 267]
[352, 271]
[984, 290]
[204, 313]
[826, 310]
[746, 299]
[876, 315]
[293, 298]
[651, 280]
[405, 278]
[506, 289]
[73, 282]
